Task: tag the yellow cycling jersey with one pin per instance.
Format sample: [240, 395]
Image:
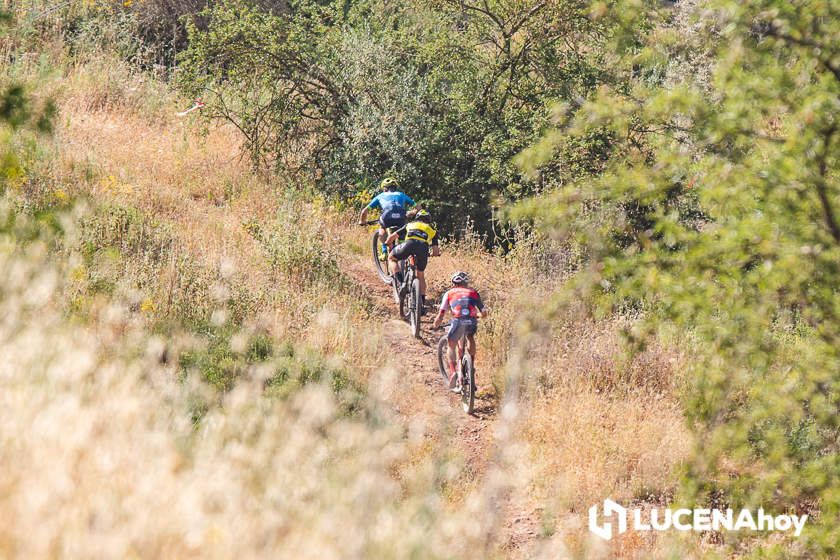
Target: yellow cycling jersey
[420, 231]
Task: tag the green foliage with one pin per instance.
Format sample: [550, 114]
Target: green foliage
[296, 367]
[441, 93]
[298, 248]
[20, 118]
[230, 355]
[715, 214]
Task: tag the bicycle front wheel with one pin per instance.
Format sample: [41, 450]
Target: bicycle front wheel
[414, 308]
[381, 266]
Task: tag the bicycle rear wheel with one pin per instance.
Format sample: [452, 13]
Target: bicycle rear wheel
[443, 361]
[467, 383]
[414, 307]
[380, 266]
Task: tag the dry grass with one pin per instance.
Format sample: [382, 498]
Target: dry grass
[101, 459]
[194, 181]
[263, 478]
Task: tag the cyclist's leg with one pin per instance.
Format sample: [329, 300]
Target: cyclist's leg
[421, 275]
[453, 340]
[471, 341]
[393, 223]
[471, 329]
[397, 254]
[452, 356]
[471, 344]
[383, 233]
[421, 258]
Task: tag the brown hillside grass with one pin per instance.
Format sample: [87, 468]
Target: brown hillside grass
[297, 481]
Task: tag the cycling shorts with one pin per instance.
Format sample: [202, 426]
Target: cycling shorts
[393, 219]
[459, 327]
[420, 250]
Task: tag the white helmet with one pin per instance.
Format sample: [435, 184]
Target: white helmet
[460, 278]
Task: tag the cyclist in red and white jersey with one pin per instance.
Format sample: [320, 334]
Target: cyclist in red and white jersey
[466, 307]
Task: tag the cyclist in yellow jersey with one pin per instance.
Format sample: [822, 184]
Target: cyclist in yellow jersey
[420, 240]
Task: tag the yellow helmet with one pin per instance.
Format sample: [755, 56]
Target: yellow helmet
[388, 183]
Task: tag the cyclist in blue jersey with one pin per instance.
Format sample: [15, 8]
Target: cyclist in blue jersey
[393, 205]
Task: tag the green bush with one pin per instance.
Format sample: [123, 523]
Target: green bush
[426, 90]
[297, 246]
[230, 353]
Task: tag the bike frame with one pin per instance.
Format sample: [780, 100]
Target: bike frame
[409, 270]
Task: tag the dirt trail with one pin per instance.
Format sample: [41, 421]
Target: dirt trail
[425, 396]
[416, 361]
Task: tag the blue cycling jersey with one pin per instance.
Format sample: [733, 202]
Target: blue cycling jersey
[390, 201]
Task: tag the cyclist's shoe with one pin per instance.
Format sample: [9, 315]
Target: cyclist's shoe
[383, 253]
[456, 390]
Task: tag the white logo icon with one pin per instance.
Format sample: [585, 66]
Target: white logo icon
[604, 530]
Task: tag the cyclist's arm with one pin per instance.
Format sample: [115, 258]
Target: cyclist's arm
[438, 318]
[482, 311]
[408, 202]
[441, 311]
[363, 216]
[435, 250]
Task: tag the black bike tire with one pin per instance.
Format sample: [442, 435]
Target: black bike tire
[442, 346]
[414, 308]
[395, 290]
[377, 264]
[402, 299]
[405, 308]
[467, 392]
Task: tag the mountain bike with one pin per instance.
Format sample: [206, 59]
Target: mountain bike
[466, 378]
[407, 291]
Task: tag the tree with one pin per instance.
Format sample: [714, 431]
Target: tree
[715, 216]
[441, 93]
